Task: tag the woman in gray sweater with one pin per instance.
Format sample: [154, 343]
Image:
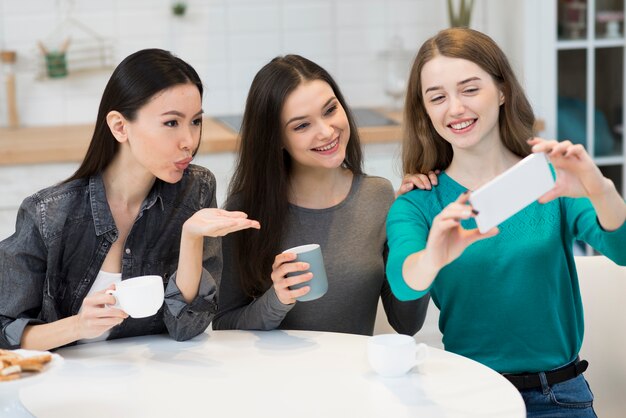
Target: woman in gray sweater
[299, 173]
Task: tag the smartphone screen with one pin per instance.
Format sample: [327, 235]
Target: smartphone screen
[511, 191]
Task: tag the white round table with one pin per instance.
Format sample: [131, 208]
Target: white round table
[261, 374]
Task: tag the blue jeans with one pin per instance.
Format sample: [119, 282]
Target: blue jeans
[569, 399]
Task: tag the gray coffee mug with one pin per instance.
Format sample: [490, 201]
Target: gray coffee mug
[312, 254]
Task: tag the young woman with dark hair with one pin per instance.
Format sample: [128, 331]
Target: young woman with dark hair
[299, 173]
[135, 206]
[509, 298]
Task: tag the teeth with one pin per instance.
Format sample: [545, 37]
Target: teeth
[327, 147]
[462, 124]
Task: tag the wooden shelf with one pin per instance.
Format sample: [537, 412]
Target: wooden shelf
[54, 144]
[48, 144]
[69, 143]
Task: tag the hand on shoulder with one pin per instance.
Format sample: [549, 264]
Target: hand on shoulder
[420, 181]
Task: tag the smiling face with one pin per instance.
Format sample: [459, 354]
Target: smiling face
[462, 101]
[166, 132]
[315, 126]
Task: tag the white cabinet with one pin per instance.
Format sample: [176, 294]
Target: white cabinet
[574, 72]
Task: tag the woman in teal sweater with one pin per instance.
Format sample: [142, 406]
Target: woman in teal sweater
[509, 298]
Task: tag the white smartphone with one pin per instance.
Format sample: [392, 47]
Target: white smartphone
[512, 191]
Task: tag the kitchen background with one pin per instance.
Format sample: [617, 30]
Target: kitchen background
[367, 45]
[227, 41]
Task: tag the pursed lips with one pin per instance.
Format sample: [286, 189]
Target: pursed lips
[182, 164]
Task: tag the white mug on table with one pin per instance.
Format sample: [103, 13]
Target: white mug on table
[393, 355]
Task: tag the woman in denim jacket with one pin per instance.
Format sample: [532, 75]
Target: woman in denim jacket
[135, 206]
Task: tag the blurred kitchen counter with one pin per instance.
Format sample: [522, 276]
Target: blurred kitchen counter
[47, 144]
[51, 144]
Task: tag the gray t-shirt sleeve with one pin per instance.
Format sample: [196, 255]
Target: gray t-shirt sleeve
[240, 311]
[405, 317]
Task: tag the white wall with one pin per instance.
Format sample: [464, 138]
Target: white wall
[227, 41]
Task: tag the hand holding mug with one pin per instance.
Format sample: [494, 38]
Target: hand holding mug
[139, 297]
[299, 274]
[283, 265]
[96, 316]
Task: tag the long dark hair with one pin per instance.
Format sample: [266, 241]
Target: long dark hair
[423, 148]
[133, 83]
[260, 182]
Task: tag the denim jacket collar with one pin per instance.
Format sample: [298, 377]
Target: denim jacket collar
[103, 219]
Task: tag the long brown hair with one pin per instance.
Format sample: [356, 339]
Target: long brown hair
[260, 183]
[133, 83]
[423, 149]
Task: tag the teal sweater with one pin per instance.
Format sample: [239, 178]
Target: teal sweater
[511, 302]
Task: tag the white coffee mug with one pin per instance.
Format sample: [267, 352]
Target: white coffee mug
[392, 355]
[140, 296]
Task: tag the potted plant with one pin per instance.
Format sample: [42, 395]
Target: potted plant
[462, 18]
[179, 8]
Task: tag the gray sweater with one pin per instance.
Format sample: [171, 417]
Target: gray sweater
[353, 241]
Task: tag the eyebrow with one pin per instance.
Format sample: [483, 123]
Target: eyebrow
[460, 83]
[304, 117]
[180, 114]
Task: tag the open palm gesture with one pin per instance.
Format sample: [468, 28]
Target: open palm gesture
[212, 222]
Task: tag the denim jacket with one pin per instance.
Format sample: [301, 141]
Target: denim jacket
[63, 234]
